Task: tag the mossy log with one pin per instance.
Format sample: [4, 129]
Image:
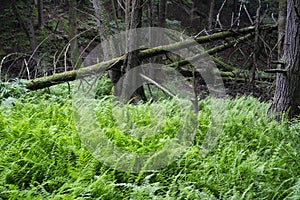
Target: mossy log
[116, 63]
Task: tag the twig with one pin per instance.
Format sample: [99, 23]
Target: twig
[239, 15]
[70, 42]
[5, 57]
[33, 53]
[284, 71]
[158, 85]
[26, 65]
[278, 62]
[249, 16]
[54, 63]
[218, 15]
[65, 56]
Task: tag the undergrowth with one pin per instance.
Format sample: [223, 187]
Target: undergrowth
[42, 156]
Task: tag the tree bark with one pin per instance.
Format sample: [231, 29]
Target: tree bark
[103, 25]
[105, 33]
[287, 95]
[133, 21]
[281, 27]
[211, 14]
[40, 14]
[26, 23]
[75, 53]
[256, 51]
[114, 9]
[162, 13]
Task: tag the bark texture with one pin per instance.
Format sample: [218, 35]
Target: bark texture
[40, 14]
[211, 14]
[162, 13]
[75, 53]
[104, 33]
[287, 95]
[132, 60]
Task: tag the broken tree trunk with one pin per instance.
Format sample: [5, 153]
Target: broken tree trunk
[44, 82]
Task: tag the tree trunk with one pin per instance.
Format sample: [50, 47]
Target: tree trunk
[103, 24]
[150, 13]
[105, 33]
[281, 27]
[26, 23]
[211, 14]
[114, 9]
[287, 95]
[75, 53]
[162, 13]
[40, 14]
[257, 48]
[120, 11]
[133, 20]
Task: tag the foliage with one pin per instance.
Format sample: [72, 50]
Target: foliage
[104, 87]
[41, 156]
[11, 91]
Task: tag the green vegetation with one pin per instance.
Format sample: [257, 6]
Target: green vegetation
[42, 157]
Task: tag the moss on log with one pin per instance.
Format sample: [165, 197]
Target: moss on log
[58, 78]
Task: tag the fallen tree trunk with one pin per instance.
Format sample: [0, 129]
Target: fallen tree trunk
[211, 51]
[44, 82]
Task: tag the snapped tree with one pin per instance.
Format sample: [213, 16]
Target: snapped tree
[116, 63]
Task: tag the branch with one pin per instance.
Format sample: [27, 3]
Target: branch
[211, 51]
[158, 85]
[284, 71]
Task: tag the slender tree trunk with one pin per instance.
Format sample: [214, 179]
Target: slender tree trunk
[31, 33]
[105, 33]
[211, 14]
[287, 95]
[75, 53]
[133, 20]
[150, 13]
[162, 13]
[256, 51]
[26, 23]
[120, 11]
[40, 14]
[29, 26]
[235, 8]
[281, 27]
[114, 8]
[103, 24]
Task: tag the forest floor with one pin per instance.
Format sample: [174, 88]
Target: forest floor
[43, 155]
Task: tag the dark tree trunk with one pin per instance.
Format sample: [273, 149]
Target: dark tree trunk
[120, 11]
[133, 20]
[26, 23]
[75, 53]
[115, 14]
[211, 14]
[150, 13]
[162, 13]
[40, 14]
[287, 95]
[105, 33]
[257, 47]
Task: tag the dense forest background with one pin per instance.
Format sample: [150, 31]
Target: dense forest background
[37, 37]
